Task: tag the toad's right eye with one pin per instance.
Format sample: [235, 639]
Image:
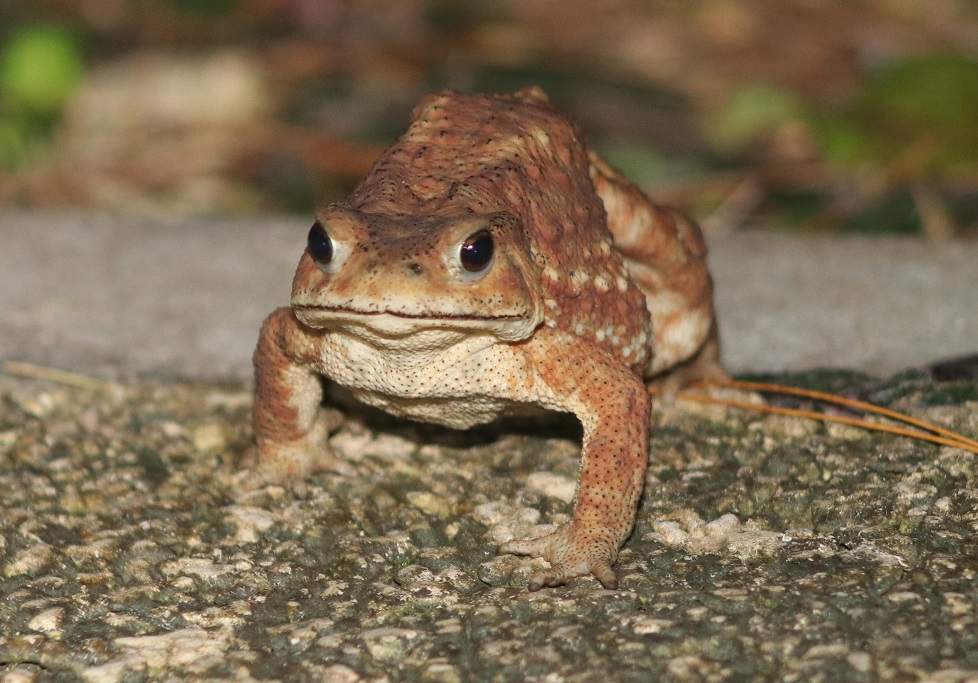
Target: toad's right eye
[320, 245]
[476, 252]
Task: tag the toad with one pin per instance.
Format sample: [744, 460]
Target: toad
[488, 264]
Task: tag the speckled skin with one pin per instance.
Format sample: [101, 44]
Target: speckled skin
[593, 291]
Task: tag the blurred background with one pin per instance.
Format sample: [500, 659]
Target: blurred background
[815, 115]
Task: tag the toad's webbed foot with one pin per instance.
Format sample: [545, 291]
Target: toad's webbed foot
[572, 552]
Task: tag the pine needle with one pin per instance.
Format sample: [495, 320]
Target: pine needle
[52, 375]
[931, 432]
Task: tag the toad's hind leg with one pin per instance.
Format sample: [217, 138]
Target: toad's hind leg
[665, 254]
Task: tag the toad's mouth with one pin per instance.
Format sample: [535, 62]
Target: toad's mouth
[320, 312]
[389, 324]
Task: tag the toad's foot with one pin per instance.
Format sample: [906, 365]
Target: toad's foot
[571, 553]
[290, 462]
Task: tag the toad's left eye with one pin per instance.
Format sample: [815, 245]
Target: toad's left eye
[476, 252]
[320, 245]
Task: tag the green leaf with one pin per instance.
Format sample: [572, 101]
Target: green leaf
[750, 112]
[39, 69]
[920, 112]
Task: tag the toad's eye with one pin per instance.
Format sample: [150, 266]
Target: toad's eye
[475, 254]
[320, 245]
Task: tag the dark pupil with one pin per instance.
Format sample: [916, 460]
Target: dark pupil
[320, 246]
[476, 252]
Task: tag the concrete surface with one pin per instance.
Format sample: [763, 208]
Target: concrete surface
[116, 295]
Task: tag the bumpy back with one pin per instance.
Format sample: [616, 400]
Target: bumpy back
[517, 153]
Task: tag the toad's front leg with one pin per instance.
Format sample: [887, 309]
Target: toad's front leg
[291, 427]
[614, 409]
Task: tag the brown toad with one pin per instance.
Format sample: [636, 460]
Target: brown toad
[490, 262]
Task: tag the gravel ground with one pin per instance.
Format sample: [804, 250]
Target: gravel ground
[767, 548]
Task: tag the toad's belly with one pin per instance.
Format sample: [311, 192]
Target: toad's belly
[454, 412]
